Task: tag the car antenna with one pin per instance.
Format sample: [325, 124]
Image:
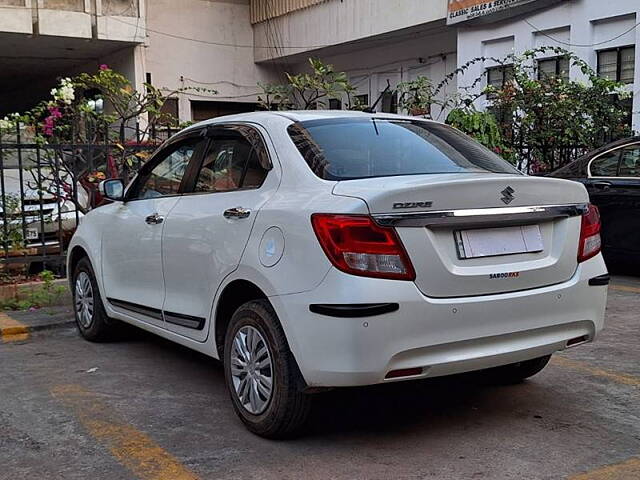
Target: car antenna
[372, 108]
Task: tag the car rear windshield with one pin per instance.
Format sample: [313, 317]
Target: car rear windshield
[346, 149]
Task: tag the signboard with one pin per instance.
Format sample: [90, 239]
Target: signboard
[465, 10]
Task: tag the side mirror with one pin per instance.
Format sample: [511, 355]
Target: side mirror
[113, 189]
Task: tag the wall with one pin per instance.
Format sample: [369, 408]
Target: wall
[15, 16]
[430, 54]
[221, 59]
[338, 21]
[580, 23]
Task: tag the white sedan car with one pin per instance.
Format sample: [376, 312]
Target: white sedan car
[325, 249]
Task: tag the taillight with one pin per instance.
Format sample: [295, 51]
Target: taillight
[590, 242]
[356, 244]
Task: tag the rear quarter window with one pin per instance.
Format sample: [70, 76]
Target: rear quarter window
[345, 149]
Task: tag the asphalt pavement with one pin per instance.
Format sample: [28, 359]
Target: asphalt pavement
[143, 408]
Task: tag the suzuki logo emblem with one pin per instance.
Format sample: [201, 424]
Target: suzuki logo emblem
[507, 195]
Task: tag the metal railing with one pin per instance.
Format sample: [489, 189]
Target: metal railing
[46, 188]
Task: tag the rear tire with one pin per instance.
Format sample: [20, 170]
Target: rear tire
[262, 375]
[519, 371]
[92, 320]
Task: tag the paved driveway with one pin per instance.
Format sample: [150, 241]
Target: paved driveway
[144, 408]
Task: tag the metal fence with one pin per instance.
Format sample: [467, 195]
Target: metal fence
[46, 188]
[541, 160]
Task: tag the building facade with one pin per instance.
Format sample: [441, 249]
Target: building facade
[604, 34]
[170, 43]
[231, 45]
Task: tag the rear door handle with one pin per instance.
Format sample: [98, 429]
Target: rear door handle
[237, 212]
[154, 219]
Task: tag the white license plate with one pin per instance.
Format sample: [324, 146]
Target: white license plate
[32, 234]
[491, 242]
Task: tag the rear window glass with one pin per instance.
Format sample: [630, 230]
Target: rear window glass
[345, 148]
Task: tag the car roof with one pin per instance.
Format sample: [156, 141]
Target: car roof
[581, 163]
[609, 146]
[298, 116]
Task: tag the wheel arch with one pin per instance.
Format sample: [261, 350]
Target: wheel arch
[234, 294]
[75, 255]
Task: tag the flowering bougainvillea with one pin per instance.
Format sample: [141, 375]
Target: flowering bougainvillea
[101, 109]
[65, 93]
[50, 122]
[544, 121]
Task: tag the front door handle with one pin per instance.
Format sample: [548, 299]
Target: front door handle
[602, 185]
[237, 212]
[154, 219]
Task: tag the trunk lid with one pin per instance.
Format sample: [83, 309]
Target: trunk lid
[435, 249]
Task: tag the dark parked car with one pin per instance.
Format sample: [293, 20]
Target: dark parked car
[612, 177]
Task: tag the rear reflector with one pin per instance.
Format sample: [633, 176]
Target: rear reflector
[357, 245]
[404, 372]
[590, 242]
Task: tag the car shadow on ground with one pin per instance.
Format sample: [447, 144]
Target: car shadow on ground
[378, 409]
[398, 407]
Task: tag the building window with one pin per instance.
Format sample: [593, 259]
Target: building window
[617, 64]
[205, 109]
[362, 99]
[626, 104]
[335, 104]
[390, 102]
[557, 67]
[498, 76]
[168, 114]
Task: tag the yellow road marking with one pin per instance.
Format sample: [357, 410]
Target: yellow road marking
[12, 330]
[133, 449]
[586, 368]
[619, 471]
[624, 288]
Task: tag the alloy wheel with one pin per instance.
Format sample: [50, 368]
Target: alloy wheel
[84, 299]
[251, 370]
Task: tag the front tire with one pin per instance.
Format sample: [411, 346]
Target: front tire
[91, 318]
[262, 376]
[519, 371]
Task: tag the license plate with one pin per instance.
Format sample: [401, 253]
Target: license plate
[32, 234]
[491, 242]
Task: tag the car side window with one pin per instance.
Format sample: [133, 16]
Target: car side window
[605, 165]
[232, 162]
[166, 176]
[630, 162]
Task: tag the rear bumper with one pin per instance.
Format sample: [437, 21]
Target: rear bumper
[442, 336]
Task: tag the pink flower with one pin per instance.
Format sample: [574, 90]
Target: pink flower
[55, 112]
[104, 67]
[49, 125]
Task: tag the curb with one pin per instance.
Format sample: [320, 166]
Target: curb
[13, 329]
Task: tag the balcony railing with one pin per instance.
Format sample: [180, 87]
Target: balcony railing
[262, 10]
[119, 20]
[68, 5]
[121, 8]
[118, 8]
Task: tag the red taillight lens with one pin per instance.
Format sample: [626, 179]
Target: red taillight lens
[356, 244]
[590, 242]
